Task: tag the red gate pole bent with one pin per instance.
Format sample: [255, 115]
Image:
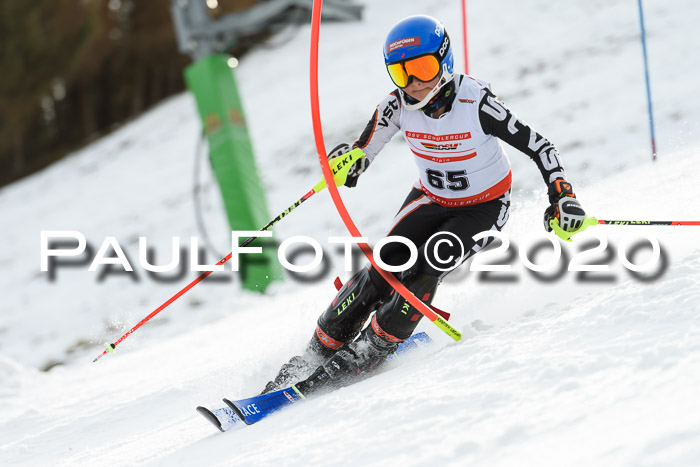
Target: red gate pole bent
[338, 201]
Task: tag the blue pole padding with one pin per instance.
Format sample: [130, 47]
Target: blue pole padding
[646, 77]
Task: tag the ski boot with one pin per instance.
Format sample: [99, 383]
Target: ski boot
[300, 366]
[393, 323]
[340, 323]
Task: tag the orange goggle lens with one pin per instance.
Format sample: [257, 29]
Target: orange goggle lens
[424, 68]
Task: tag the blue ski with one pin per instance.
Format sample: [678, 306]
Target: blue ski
[253, 409]
[256, 408]
[224, 419]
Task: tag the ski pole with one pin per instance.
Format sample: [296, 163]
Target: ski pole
[589, 221]
[340, 165]
[607, 222]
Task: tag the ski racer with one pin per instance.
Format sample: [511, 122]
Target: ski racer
[452, 124]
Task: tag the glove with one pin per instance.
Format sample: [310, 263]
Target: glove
[357, 168]
[564, 207]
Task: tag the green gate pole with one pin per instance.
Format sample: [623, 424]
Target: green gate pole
[213, 84]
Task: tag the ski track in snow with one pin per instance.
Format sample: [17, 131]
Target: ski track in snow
[566, 372]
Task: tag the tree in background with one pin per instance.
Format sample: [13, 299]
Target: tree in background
[72, 70]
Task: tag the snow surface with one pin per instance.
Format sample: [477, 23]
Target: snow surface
[600, 370]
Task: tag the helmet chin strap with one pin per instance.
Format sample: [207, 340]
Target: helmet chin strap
[445, 78]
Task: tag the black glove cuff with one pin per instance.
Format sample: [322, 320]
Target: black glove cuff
[558, 189]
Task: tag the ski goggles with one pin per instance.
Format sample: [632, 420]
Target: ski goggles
[425, 68]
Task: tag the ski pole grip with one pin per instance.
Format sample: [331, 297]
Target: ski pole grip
[566, 236]
[340, 166]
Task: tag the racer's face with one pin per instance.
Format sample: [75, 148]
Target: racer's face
[418, 89]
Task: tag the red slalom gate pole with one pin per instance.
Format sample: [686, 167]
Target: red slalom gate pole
[338, 201]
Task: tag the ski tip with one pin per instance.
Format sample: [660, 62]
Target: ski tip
[236, 410]
[206, 413]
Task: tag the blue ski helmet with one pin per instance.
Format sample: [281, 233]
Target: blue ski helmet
[418, 36]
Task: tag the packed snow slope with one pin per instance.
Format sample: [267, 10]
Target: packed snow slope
[567, 369]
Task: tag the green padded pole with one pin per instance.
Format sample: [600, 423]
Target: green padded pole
[213, 84]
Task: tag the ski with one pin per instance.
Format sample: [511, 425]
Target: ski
[412, 343]
[256, 408]
[224, 419]
[253, 409]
